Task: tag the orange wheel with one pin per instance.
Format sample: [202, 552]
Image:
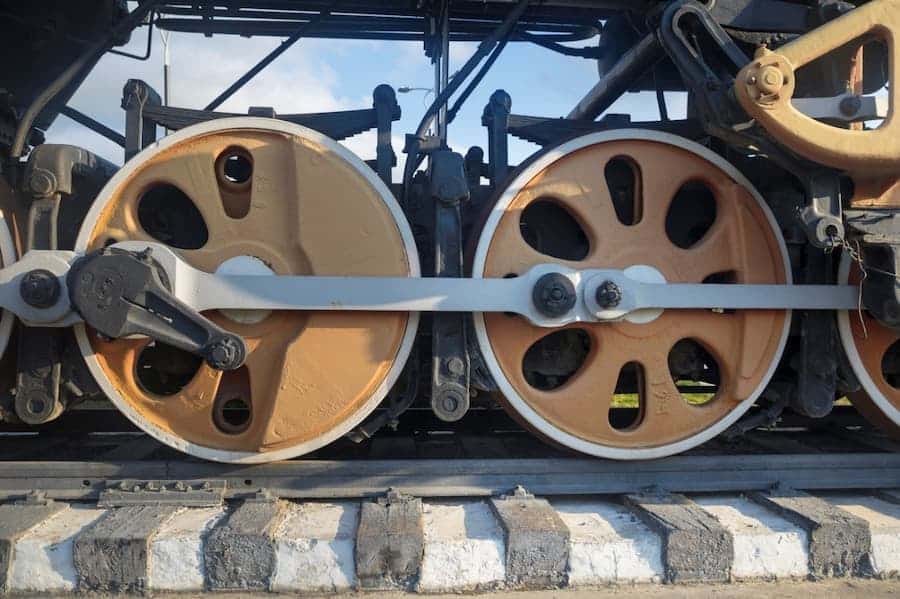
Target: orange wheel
[257, 196]
[874, 353]
[565, 208]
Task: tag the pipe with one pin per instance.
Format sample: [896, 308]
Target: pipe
[634, 63]
[71, 73]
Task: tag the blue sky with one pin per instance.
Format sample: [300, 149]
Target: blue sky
[320, 75]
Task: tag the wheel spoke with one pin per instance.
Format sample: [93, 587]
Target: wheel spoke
[301, 208]
[660, 183]
[513, 255]
[664, 407]
[586, 398]
[743, 345]
[518, 336]
[721, 249]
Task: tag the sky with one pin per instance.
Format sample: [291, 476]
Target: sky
[318, 75]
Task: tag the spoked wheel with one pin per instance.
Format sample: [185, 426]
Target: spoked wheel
[874, 354]
[667, 209]
[7, 257]
[257, 196]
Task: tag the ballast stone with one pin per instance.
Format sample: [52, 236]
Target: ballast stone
[16, 521]
[840, 543]
[696, 547]
[608, 544]
[766, 545]
[314, 548]
[389, 542]
[176, 552]
[113, 554]
[240, 551]
[883, 519]
[44, 560]
[536, 539]
[464, 549]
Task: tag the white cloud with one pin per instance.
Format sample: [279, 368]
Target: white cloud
[460, 53]
[202, 68]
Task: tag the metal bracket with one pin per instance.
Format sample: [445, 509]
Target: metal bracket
[205, 493]
[261, 496]
[387, 110]
[121, 293]
[48, 179]
[393, 497]
[816, 362]
[519, 492]
[449, 359]
[140, 129]
[821, 217]
[496, 119]
[880, 248]
[765, 89]
[709, 82]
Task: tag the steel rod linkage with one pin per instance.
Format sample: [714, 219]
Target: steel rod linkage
[35, 289]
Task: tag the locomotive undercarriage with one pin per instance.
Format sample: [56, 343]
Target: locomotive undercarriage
[246, 290]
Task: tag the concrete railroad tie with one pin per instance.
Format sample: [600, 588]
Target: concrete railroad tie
[401, 542]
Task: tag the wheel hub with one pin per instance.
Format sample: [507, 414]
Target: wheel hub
[686, 217]
[256, 196]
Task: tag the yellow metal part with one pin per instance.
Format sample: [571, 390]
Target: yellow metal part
[766, 85]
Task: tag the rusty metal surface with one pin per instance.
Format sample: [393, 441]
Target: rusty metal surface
[765, 88]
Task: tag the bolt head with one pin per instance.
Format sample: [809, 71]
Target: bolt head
[449, 403]
[42, 183]
[553, 295]
[226, 353]
[770, 80]
[39, 288]
[850, 105]
[456, 366]
[609, 295]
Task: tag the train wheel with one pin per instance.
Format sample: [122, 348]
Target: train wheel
[874, 353]
[668, 209]
[257, 196]
[7, 257]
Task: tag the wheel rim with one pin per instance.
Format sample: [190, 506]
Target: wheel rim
[745, 345]
[866, 342]
[309, 207]
[7, 257]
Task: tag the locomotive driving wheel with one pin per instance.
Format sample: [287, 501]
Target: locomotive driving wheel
[665, 209]
[874, 354]
[256, 196]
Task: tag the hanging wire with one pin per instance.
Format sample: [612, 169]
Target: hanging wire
[855, 254]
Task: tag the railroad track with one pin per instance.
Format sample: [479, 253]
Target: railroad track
[443, 515]
[427, 460]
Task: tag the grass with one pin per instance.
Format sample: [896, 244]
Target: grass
[632, 400]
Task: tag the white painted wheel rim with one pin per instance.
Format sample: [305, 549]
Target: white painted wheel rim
[245, 457]
[849, 343]
[7, 257]
[514, 399]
